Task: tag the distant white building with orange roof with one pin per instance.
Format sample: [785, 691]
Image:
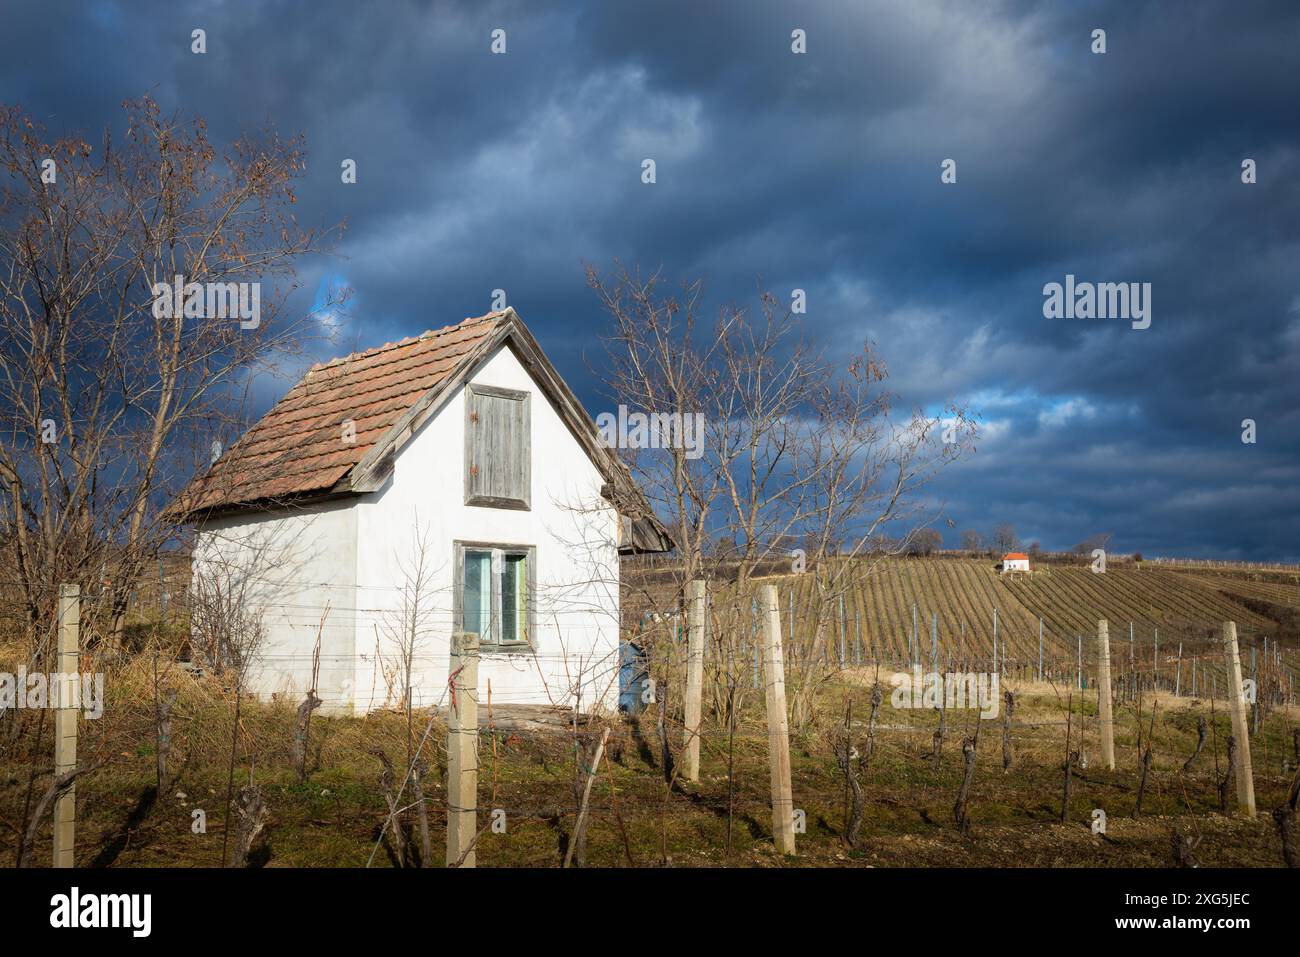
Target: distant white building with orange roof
[1015, 562]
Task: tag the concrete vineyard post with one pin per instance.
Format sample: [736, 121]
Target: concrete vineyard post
[1040, 649]
[914, 643]
[694, 677]
[778, 732]
[65, 725]
[1237, 702]
[462, 750]
[842, 626]
[995, 639]
[1105, 716]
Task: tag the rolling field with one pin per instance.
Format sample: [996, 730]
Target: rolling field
[1241, 586]
[1182, 607]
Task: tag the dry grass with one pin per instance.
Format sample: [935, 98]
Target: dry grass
[334, 817]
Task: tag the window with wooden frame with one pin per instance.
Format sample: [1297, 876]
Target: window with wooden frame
[498, 447]
[493, 597]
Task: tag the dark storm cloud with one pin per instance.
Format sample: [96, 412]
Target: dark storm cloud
[820, 172]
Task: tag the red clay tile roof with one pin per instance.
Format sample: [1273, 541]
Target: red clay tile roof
[1015, 555]
[297, 449]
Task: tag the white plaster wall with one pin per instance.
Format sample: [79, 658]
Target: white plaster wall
[574, 531]
[288, 566]
[354, 563]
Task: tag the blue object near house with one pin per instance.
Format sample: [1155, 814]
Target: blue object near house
[633, 677]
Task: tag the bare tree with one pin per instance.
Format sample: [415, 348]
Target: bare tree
[1092, 542]
[1004, 539]
[924, 541]
[794, 447]
[106, 388]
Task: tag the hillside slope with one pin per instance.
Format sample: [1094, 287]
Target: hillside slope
[963, 593]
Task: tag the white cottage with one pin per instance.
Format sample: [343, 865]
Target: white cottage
[447, 482]
[1015, 562]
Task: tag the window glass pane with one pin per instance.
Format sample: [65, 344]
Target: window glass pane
[514, 588]
[477, 597]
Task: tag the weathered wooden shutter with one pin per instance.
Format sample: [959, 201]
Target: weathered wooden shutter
[498, 448]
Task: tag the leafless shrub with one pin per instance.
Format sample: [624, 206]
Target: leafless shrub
[849, 760]
[250, 809]
[1228, 781]
[396, 817]
[163, 706]
[1008, 710]
[1285, 816]
[225, 621]
[959, 810]
[1147, 757]
[57, 787]
[301, 725]
[1202, 729]
[1183, 847]
[1071, 759]
[227, 635]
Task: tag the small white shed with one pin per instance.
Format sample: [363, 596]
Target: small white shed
[447, 482]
